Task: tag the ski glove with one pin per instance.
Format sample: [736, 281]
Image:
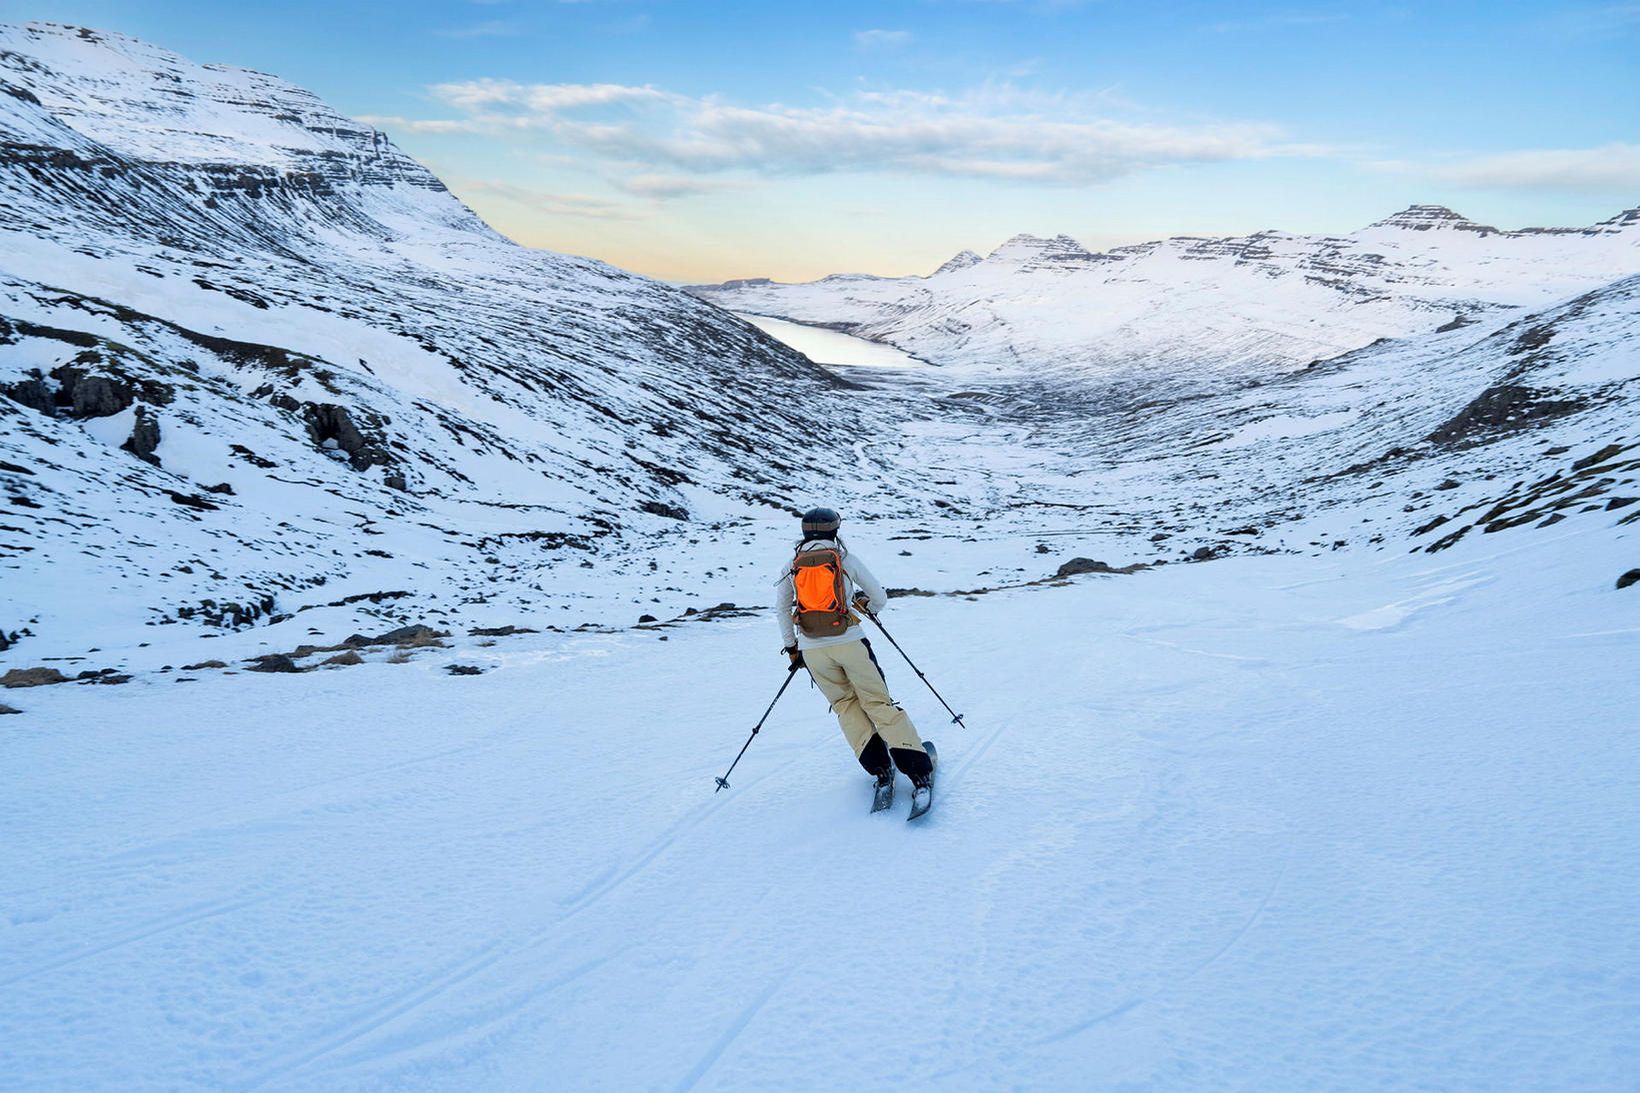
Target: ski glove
[863, 602]
[796, 658]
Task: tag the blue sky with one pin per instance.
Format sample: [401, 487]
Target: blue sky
[701, 141]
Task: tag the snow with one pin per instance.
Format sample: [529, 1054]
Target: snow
[1287, 427]
[1190, 311]
[1219, 840]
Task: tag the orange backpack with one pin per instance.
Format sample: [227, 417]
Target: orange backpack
[821, 607]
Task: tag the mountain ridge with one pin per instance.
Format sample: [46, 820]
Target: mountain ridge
[347, 348]
[1182, 307]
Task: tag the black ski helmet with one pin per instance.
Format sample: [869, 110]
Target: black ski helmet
[821, 521]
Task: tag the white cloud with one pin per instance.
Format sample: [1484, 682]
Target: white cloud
[587, 206]
[416, 125]
[994, 131]
[544, 101]
[880, 39]
[1611, 168]
[664, 187]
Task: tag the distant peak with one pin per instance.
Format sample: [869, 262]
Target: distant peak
[1626, 218]
[1430, 217]
[1026, 247]
[961, 261]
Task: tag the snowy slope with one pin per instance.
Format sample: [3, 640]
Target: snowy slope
[1182, 310]
[1271, 823]
[318, 395]
[308, 317]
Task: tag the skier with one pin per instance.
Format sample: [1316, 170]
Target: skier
[822, 634]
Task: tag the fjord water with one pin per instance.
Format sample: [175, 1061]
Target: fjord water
[832, 347]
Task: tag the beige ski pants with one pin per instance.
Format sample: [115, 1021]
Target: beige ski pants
[851, 681]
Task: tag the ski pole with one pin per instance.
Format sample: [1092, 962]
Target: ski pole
[956, 717]
[723, 783]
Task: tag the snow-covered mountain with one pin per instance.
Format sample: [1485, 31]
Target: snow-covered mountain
[260, 370]
[287, 358]
[1183, 309]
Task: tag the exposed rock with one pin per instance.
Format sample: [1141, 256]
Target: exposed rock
[647, 618]
[32, 677]
[1449, 484]
[191, 500]
[1629, 578]
[727, 611]
[500, 631]
[272, 662]
[1610, 451]
[5, 709]
[231, 616]
[84, 389]
[32, 393]
[202, 665]
[671, 512]
[1620, 502]
[463, 670]
[1503, 408]
[1087, 565]
[896, 593]
[91, 396]
[331, 426]
[220, 487]
[144, 437]
[1432, 525]
[1202, 554]
[416, 634]
[347, 658]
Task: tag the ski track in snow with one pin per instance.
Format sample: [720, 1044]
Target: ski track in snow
[1147, 866]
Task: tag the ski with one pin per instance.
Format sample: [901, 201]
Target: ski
[882, 797]
[923, 799]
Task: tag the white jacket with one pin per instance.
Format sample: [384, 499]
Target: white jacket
[855, 576]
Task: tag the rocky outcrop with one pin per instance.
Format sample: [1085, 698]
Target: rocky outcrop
[32, 677]
[1087, 565]
[100, 381]
[1504, 408]
[273, 662]
[670, 512]
[144, 437]
[414, 635]
[332, 427]
[82, 394]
